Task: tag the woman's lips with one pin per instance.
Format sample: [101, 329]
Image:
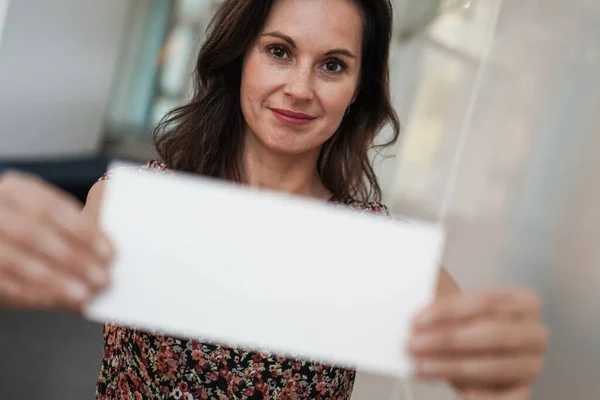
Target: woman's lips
[291, 117]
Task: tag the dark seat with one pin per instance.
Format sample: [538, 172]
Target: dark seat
[74, 175]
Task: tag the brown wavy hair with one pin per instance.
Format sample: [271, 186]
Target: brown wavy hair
[205, 135]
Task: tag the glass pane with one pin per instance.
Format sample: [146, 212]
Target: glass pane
[156, 65]
[177, 58]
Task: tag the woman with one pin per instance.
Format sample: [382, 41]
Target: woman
[289, 96]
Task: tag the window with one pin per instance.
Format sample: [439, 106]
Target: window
[451, 52]
[156, 65]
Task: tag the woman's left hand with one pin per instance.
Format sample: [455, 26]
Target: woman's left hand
[489, 345]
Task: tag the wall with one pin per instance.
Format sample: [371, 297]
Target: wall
[57, 60]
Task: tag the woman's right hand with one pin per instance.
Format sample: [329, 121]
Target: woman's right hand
[51, 256]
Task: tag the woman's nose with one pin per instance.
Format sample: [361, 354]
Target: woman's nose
[300, 85]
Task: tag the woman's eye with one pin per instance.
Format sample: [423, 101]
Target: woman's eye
[334, 66]
[278, 52]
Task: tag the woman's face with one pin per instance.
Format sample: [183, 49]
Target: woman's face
[302, 73]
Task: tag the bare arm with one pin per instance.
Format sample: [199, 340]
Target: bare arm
[94, 201]
[446, 285]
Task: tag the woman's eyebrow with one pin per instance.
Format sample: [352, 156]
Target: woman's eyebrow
[291, 42]
[342, 52]
[282, 36]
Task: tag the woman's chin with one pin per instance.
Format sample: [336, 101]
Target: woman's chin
[286, 144]
[286, 149]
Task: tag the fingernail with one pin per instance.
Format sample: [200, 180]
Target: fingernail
[76, 290]
[103, 248]
[97, 274]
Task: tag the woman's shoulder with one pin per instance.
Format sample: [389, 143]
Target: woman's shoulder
[371, 207]
[152, 166]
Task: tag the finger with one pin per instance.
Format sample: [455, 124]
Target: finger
[71, 256]
[487, 335]
[34, 278]
[15, 184]
[488, 370]
[61, 211]
[512, 303]
[10, 293]
[14, 295]
[512, 393]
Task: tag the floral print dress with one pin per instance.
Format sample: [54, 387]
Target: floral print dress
[140, 365]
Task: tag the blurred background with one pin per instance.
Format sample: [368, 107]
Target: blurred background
[499, 101]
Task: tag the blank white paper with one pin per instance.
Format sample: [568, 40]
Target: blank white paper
[207, 260]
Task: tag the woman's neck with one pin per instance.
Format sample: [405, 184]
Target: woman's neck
[295, 174]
